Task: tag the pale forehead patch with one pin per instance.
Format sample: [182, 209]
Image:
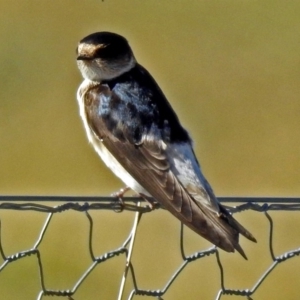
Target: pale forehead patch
[89, 49]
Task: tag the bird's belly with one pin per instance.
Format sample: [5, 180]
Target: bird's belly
[116, 167]
[113, 164]
[103, 152]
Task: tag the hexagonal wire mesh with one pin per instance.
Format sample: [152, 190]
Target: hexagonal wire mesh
[87, 204]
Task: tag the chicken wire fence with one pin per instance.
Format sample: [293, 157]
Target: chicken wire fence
[139, 209]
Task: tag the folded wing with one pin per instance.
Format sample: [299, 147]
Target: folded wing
[170, 173]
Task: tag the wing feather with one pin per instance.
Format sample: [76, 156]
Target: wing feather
[151, 163]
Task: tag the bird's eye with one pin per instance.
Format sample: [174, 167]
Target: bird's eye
[109, 51]
[106, 51]
[112, 51]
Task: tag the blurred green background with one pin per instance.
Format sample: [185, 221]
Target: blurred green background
[230, 70]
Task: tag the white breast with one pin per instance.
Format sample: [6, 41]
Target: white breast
[103, 152]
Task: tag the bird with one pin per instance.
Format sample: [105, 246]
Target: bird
[134, 129]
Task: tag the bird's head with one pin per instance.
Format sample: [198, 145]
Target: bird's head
[104, 56]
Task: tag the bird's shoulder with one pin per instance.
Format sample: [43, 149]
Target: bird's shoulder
[133, 103]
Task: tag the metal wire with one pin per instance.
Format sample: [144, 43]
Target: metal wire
[86, 204]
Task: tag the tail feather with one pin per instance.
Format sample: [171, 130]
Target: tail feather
[237, 226]
[219, 228]
[240, 250]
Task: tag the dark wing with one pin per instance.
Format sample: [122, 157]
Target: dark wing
[148, 163]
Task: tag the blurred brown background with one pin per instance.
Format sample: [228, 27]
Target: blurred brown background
[230, 70]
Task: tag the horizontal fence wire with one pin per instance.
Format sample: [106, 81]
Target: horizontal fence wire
[129, 203]
[135, 204]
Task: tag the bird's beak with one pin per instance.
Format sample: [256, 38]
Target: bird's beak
[82, 57]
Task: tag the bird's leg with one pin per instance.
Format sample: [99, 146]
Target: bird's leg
[120, 194]
[153, 204]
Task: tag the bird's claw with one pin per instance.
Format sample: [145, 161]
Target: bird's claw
[119, 195]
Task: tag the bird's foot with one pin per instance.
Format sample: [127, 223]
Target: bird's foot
[119, 195]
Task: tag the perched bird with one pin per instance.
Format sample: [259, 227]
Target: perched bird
[134, 129]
